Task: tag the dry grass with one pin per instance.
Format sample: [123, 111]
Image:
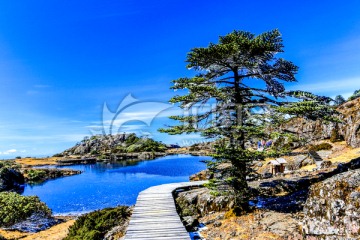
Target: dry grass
[346, 155]
[341, 153]
[56, 232]
[37, 161]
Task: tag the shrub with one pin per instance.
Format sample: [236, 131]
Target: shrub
[9, 164]
[16, 208]
[321, 146]
[134, 148]
[355, 95]
[131, 139]
[34, 175]
[95, 225]
[58, 155]
[94, 152]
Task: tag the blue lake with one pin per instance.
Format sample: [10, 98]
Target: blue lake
[104, 185]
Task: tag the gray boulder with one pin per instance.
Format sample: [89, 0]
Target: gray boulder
[332, 210]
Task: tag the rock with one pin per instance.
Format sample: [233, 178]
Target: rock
[117, 232]
[298, 161]
[108, 146]
[199, 202]
[35, 223]
[146, 155]
[217, 224]
[37, 175]
[201, 176]
[11, 179]
[190, 222]
[307, 161]
[325, 164]
[349, 129]
[332, 210]
[281, 224]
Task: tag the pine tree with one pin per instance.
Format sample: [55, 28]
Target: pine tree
[339, 99]
[238, 95]
[355, 95]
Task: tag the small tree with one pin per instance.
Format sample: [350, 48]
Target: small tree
[355, 95]
[339, 99]
[238, 95]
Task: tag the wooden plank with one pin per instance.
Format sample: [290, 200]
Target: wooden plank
[155, 216]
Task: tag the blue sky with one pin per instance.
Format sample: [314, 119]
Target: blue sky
[60, 61]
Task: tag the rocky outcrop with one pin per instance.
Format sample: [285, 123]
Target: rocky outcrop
[114, 147]
[349, 129]
[201, 176]
[332, 210]
[37, 175]
[197, 203]
[10, 179]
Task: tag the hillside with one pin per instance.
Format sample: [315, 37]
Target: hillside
[114, 144]
[348, 129]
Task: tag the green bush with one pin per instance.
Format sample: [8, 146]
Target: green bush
[131, 139]
[134, 148]
[94, 152]
[321, 146]
[9, 164]
[355, 95]
[95, 225]
[16, 208]
[35, 175]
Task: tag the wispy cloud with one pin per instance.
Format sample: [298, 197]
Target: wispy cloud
[10, 151]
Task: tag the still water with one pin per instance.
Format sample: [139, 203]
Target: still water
[104, 185]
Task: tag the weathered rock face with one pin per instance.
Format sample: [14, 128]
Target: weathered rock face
[332, 210]
[98, 143]
[349, 129]
[196, 203]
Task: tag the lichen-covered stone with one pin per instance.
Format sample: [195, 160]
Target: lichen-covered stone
[332, 210]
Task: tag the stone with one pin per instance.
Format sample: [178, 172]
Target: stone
[201, 176]
[349, 129]
[11, 179]
[325, 164]
[332, 210]
[196, 203]
[217, 224]
[190, 222]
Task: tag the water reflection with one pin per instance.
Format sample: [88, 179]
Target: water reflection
[109, 184]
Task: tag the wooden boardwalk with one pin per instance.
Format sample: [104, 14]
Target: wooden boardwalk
[155, 217]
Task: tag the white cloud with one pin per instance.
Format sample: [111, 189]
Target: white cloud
[10, 151]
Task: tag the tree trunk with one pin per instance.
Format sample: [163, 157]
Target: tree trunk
[240, 186]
